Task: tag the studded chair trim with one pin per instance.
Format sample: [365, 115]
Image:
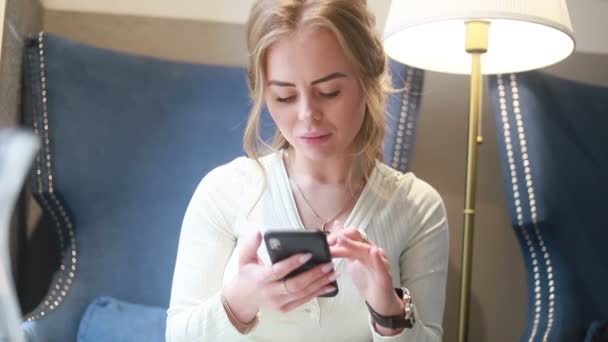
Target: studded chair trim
[408, 83]
[541, 274]
[36, 112]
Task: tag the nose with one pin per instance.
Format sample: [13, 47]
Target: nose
[309, 109]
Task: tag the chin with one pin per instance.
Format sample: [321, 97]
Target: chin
[318, 153]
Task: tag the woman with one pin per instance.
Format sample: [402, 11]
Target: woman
[322, 73]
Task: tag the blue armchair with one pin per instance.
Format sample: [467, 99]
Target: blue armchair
[554, 156]
[125, 140]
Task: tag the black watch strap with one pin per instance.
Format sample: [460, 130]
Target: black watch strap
[405, 320]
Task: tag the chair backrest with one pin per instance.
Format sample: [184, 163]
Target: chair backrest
[17, 149]
[126, 139]
[554, 155]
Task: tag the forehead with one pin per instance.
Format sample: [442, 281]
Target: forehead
[306, 55]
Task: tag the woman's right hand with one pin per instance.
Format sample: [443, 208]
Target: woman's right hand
[259, 286]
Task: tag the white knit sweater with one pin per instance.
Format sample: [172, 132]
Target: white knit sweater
[399, 212]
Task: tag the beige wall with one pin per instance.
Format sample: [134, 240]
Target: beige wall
[184, 40]
[498, 308]
[225, 11]
[2, 14]
[439, 157]
[21, 16]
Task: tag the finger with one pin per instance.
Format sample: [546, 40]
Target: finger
[284, 267]
[338, 224]
[249, 252]
[283, 293]
[311, 280]
[356, 235]
[353, 243]
[348, 232]
[351, 233]
[383, 255]
[348, 248]
[332, 239]
[377, 261]
[383, 268]
[304, 296]
[298, 302]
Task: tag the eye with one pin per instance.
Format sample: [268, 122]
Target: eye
[330, 95]
[285, 99]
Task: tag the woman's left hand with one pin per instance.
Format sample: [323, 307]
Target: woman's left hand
[369, 269]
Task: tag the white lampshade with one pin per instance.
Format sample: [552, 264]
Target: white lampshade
[523, 34]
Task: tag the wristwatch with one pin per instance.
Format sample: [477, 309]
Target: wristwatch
[405, 320]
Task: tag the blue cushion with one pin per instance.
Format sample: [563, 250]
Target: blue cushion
[109, 319]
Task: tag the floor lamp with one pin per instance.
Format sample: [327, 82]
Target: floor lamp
[455, 36]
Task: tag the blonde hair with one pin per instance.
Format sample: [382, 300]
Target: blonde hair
[353, 26]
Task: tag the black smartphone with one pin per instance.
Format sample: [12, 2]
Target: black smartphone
[282, 244]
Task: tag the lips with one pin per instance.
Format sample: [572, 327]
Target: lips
[315, 138]
[314, 135]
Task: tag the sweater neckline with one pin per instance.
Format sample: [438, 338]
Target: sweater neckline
[359, 216]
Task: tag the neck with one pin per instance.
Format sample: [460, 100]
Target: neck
[332, 171]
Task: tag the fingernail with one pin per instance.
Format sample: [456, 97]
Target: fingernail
[329, 289]
[327, 267]
[304, 258]
[334, 276]
[275, 269]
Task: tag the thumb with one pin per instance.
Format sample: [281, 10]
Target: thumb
[249, 252]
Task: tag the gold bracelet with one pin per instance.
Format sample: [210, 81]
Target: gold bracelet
[243, 328]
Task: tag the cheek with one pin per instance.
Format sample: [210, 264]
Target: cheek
[352, 113]
[355, 121]
[282, 117]
[353, 104]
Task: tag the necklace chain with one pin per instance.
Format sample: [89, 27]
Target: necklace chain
[323, 221]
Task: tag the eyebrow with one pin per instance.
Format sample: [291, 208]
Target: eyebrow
[320, 80]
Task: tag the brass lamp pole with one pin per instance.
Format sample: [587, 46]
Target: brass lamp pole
[476, 45]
